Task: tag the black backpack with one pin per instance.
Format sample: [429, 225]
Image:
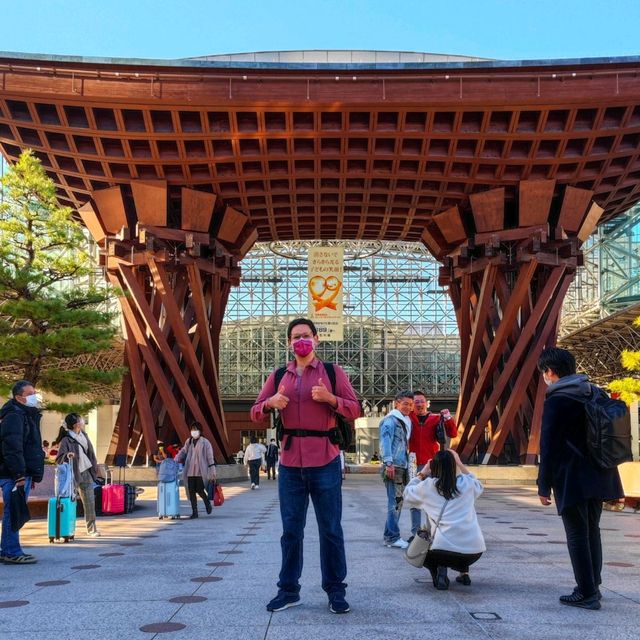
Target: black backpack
[342, 434]
[608, 429]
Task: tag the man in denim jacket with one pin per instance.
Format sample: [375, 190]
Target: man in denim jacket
[395, 430]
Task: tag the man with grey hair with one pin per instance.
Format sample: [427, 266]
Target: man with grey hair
[395, 431]
[21, 460]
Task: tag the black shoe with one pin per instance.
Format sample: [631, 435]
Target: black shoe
[207, 506]
[434, 575]
[576, 590]
[337, 604]
[464, 579]
[281, 602]
[576, 599]
[442, 581]
[192, 516]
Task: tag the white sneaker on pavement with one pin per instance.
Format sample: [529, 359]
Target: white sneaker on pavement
[257, 486]
[398, 544]
[253, 486]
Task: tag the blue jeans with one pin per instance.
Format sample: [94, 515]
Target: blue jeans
[324, 486]
[10, 540]
[416, 520]
[394, 489]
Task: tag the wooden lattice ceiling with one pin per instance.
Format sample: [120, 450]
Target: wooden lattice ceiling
[361, 153]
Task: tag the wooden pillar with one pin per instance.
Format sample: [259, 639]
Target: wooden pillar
[173, 287]
[507, 286]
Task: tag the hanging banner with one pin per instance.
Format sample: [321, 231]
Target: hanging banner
[324, 282]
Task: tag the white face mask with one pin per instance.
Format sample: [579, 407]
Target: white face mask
[32, 401]
[195, 435]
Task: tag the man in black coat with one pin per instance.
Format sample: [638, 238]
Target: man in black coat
[579, 487]
[21, 460]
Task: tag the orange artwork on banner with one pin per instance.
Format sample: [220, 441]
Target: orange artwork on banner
[325, 290]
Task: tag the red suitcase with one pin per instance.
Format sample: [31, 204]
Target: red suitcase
[113, 498]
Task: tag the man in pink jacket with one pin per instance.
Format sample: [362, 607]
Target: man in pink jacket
[309, 462]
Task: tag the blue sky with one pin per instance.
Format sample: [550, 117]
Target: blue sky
[507, 29]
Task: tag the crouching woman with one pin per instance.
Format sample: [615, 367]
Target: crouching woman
[446, 490]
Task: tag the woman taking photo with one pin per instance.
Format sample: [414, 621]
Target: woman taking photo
[74, 445]
[449, 501]
[199, 467]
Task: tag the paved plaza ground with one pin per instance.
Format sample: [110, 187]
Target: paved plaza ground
[212, 577]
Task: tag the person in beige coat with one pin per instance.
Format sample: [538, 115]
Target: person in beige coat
[76, 447]
[199, 467]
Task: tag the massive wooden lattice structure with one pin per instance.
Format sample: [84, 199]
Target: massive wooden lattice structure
[502, 169]
[173, 261]
[507, 287]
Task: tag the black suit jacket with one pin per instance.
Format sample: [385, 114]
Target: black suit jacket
[564, 466]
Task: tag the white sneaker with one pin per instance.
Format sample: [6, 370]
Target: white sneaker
[95, 534]
[399, 544]
[257, 486]
[253, 486]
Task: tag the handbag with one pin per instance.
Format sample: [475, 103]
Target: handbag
[218, 496]
[417, 551]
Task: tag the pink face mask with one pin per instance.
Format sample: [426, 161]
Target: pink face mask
[303, 347]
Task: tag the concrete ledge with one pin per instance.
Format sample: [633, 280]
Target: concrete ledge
[146, 476]
[488, 474]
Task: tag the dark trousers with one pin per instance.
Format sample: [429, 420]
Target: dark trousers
[324, 486]
[254, 470]
[582, 526]
[195, 486]
[271, 469]
[450, 559]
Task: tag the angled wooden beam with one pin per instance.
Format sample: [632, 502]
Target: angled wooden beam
[533, 446]
[534, 201]
[574, 206]
[520, 290]
[451, 226]
[488, 210]
[525, 373]
[150, 198]
[478, 330]
[111, 209]
[232, 224]
[152, 326]
[93, 222]
[197, 209]
[138, 337]
[590, 222]
[174, 318]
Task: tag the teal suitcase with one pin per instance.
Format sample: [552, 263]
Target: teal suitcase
[61, 519]
[169, 500]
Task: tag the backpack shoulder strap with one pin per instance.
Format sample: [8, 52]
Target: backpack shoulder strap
[278, 377]
[331, 374]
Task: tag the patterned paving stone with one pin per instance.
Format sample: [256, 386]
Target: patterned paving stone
[188, 599]
[206, 579]
[10, 604]
[162, 627]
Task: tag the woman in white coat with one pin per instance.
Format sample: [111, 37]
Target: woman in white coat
[446, 490]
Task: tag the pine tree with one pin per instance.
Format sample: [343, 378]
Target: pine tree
[629, 388]
[45, 313]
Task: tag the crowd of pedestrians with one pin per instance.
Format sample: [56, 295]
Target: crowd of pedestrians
[417, 468]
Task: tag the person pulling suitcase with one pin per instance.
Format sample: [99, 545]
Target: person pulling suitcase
[76, 447]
